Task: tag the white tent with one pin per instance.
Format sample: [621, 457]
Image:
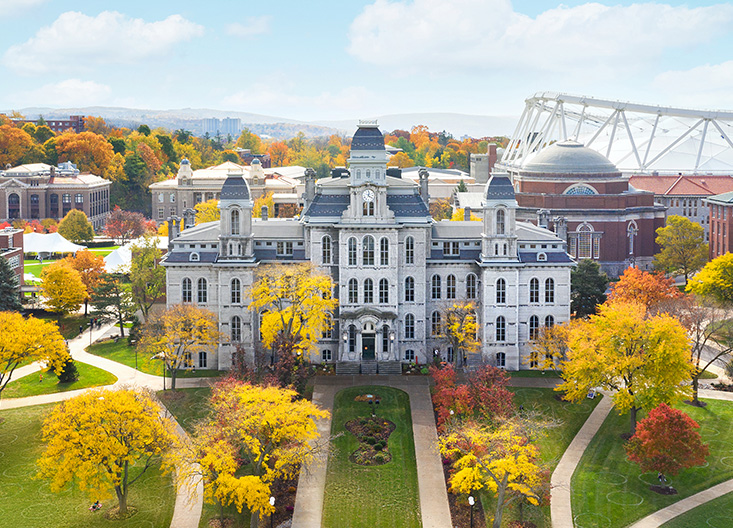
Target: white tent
[44, 245]
[119, 260]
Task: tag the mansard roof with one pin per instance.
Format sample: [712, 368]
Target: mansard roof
[235, 188]
[367, 137]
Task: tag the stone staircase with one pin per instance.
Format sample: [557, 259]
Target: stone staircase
[348, 368]
[369, 367]
[390, 368]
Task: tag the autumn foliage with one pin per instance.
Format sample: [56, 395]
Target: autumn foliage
[667, 441]
[643, 287]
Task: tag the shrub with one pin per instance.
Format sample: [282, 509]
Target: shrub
[70, 372]
[370, 440]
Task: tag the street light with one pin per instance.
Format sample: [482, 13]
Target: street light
[272, 515]
[471, 502]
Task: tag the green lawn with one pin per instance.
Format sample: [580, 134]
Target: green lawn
[68, 324]
[569, 418]
[717, 513]
[122, 352]
[366, 497]
[29, 503]
[34, 384]
[608, 490]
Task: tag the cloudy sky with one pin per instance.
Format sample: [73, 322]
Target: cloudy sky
[343, 59]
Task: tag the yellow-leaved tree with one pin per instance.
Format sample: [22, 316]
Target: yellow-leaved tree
[253, 436]
[644, 360]
[460, 215]
[265, 199]
[500, 460]
[458, 328]
[100, 438]
[550, 347]
[63, 288]
[178, 334]
[207, 211]
[296, 303]
[27, 340]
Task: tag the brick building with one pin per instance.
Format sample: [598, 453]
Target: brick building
[75, 123]
[11, 249]
[720, 209]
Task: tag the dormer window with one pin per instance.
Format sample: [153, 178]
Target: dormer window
[541, 257]
[194, 257]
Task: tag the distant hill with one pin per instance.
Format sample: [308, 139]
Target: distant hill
[280, 127]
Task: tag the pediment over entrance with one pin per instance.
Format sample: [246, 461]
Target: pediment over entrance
[368, 310]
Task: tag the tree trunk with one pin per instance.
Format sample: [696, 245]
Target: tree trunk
[86, 307]
[695, 386]
[632, 415]
[254, 520]
[500, 501]
[121, 500]
[122, 325]
[173, 373]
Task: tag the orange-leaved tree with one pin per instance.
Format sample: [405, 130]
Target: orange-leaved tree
[643, 287]
[90, 267]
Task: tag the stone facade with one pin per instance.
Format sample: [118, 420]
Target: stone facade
[393, 266]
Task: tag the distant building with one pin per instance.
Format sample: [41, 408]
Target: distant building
[720, 211]
[75, 123]
[11, 249]
[37, 190]
[247, 158]
[227, 126]
[481, 165]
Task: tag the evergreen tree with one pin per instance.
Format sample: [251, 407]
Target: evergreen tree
[587, 288]
[9, 297]
[70, 373]
[111, 299]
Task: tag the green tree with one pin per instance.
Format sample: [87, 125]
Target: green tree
[144, 130]
[683, 247]
[587, 288]
[182, 136]
[118, 145]
[76, 227]
[111, 299]
[9, 293]
[166, 145]
[147, 276]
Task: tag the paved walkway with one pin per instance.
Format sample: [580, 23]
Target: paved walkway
[431, 485]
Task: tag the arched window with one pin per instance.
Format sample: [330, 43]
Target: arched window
[236, 329]
[383, 291]
[534, 326]
[384, 252]
[326, 355]
[471, 282]
[500, 328]
[534, 291]
[14, 206]
[409, 326]
[353, 291]
[234, 222]
[585, 238]
[409, 289]
[435, 287]
[352, 251]
[435, 329]
[367, 255]
[202, 291]
[450, 287]
[409, 355]
[326, 249]
[500, 291]
[550, 291]
[500, 222]
[385, 339]
[549, 321]
[368, 291]
[236, 290]
[352, 338]
[631, 232]
[500, 359]
[186, 293]
[409, 250]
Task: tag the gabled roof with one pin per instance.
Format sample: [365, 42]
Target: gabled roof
[683, 185]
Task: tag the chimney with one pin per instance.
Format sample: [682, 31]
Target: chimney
[543, 218]
[561, 228]
[423, 175]
[189, 218]
[264, 213]
[310, 188]
[467, 214]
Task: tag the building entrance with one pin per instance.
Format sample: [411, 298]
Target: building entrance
[367, 342]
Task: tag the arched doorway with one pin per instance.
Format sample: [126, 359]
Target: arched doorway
[368, 341]
[13, 206]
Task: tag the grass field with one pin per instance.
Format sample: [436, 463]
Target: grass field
[68, 324]
[608, 490]
[717, 513]
[365, 497]
[29, 503]
[34, 384]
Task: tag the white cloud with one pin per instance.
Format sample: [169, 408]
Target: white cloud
[252, 26]
[75, 41]
[439, 36]
[707, 86]
[12, 7]
[69, 92]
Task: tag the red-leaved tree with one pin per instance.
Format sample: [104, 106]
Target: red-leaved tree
[448, 396]
[489, 395]
[124, 225]
[667, 441]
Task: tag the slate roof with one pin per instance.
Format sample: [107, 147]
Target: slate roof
[235, 188]
[499, 187]
[185, 256]
[725, 198]
[402, 205]
[328, 205]
[367, 138]
[552, 257]
[407, 205]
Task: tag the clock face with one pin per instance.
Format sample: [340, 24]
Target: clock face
[368, 195]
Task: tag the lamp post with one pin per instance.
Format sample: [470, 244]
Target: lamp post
[391, 341]
[272, 515]
[471, 502]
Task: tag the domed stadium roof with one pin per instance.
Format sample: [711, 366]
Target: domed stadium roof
[185, 161]
[235, 188]
[569, 157]
[256, 161]
[367, 137]
[499, 187]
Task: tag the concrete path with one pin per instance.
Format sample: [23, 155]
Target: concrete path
[434, 507]
[561, 511]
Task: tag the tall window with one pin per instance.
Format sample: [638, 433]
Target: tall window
[327, 328]
[368, 208]
[235, 222]
[353, 291]
[236, 329]
[368, 251]
[383, 291]
[471, 286]
[409, 289]
[326, 249]
[385, 338]
[368, 291]
[186, 295]
[584, 241]
[549, 321]
[352, 338]
[550, 291]
[534, 291]
[450, 287]
[202, 291]
[500, 328]
[435, 287]
[236, 290]
[500, 222]
[501, 291]
[409, 326]
[631, 232]
[534, 326]
[500, 359]
[435, 324]
[352, 251]
[409, 250]
[384, 252]
[202, 359]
